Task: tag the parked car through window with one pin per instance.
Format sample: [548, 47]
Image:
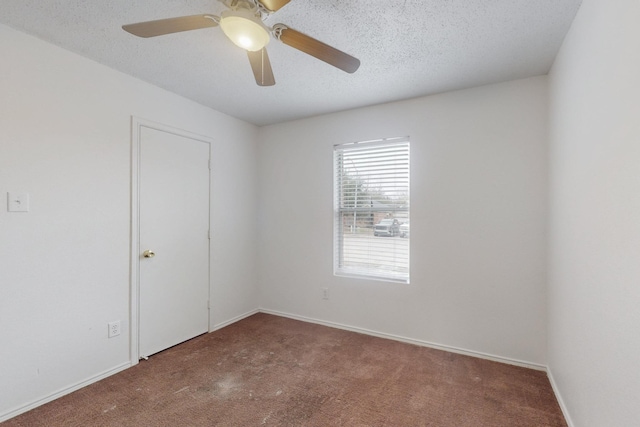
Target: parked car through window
[387, 227]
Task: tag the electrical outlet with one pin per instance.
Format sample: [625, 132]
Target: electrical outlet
[325, 293]
[114, 328]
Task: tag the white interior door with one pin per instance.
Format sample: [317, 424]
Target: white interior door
[173, 182]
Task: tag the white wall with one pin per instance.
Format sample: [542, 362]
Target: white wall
[594, 291]
[64, 266]
[478, 220]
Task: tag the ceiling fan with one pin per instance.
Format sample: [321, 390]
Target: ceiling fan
[243, 24]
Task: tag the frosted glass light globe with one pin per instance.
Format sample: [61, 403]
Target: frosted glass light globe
[244, 29]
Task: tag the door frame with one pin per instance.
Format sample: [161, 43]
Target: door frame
[137, 124]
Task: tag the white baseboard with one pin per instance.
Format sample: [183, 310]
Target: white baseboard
[556, 391]
[64, 391]
[421, 343]
[233, 320]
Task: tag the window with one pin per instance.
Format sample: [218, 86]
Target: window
[371, 213]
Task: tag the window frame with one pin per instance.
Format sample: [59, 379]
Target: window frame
[340, 209]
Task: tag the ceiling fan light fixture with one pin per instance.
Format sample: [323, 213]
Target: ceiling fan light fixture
[244, 29]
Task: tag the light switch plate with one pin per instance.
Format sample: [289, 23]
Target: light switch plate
[18, 202]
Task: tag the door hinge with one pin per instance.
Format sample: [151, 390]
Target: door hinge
[208, 305]
[209, 164]
[209, 234]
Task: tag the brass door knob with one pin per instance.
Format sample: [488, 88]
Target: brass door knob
[148, 254]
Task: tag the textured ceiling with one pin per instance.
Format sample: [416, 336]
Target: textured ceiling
[407, 48]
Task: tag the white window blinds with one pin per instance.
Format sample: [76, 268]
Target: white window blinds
[371, 213]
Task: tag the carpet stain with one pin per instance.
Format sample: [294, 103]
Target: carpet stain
[226, 386]
[181, 390]
[109, 409]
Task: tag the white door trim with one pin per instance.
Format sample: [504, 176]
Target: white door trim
[137, 124]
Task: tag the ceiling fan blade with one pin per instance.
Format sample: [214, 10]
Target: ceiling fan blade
[273, 5]
[171, 25]
[320, 50]
[261, 67]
